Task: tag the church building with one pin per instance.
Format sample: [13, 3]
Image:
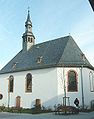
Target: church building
[49, 73]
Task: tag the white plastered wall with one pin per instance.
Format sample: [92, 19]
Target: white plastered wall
[44, 87]
[62, 74]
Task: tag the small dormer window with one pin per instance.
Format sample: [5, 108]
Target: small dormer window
[37, 47]
[39, 59]
[83, 57]
[14, 65]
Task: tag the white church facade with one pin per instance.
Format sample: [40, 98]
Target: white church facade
[47, 73]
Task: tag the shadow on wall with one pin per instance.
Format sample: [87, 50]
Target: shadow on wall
[51, 102]
[47, 104]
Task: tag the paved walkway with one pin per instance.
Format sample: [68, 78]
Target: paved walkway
[5, 115]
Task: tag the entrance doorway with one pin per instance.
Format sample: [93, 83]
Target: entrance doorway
[18, 101]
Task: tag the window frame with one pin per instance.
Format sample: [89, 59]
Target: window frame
[76, 79]
[91, 81]
[11, 84]
[27, 90]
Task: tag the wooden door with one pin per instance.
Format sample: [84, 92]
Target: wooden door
[18, 101]
[38, 103]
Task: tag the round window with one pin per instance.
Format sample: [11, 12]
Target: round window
[1, 96]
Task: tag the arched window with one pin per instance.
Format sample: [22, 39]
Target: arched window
[28, 82]
[28, 39]
[91, 81]
[31, 40]
[72, 81]
[11, 83]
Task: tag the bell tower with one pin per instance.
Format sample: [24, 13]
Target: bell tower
[28, 37]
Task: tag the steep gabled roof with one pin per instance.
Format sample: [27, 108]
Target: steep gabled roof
[59, 52]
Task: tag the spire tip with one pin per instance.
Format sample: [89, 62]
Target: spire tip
[28, 9]
[28, 16]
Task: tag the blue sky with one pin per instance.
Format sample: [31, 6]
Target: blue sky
[51, 19]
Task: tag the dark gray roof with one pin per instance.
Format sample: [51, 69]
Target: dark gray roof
[55, 53]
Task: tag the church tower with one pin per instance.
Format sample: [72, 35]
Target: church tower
[28, 37]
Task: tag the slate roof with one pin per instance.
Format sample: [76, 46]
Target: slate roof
[55, 53]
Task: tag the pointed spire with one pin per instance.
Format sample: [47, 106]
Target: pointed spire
[28, 16]
[28, 37]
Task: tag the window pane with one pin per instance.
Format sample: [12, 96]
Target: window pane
[11, 83]
[72, 81]
[91, 81]
[29, 83]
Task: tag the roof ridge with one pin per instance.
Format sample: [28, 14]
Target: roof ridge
[62, 51]
[64, 48]
[52, 40]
